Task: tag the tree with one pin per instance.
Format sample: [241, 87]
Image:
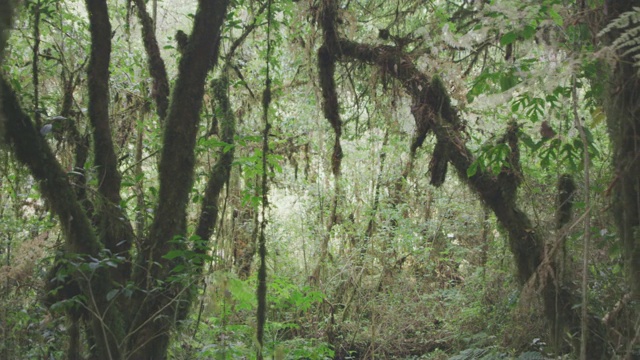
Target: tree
[623, 117]
[99, 239]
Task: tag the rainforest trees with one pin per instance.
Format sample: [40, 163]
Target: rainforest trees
[474, 80]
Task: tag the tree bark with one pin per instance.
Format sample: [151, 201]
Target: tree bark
[6, 20]
[623, 116]
[116, 232]
[157, 69]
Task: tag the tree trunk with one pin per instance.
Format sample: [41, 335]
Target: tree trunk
[623, 116]
[6, 20]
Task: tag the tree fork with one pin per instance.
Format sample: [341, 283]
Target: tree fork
[150, 338]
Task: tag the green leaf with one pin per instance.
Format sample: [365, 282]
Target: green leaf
[556, 17]
[507, 81]
[616, 269]
[528, 141]
[173, 254]
[111, 294]
[471, 171]
[508, 38]
[528, 32]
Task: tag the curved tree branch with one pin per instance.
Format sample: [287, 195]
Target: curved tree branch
[32, 150]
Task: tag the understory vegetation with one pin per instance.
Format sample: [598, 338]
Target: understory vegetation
[320, 179]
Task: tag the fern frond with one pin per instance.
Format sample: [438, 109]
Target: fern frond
[623, 21]
[628, 39]
[634, 51]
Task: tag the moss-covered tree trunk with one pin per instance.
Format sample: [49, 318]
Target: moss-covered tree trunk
[135, 326]
[6, 12]
[623, 116]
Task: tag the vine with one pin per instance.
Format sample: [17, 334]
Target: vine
[262, 247]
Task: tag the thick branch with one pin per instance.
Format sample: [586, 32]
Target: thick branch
[176, 179]
[6, 19]
[160, 91]
[220, 172]
[98, 83]
[433, 112]
[32, 150]
[116, 232]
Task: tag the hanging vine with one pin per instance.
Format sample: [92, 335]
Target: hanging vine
[326, 67]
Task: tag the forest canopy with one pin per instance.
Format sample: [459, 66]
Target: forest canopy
[320, 179]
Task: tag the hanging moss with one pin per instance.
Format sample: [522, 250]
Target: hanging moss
[564, 200]
[510, 175]
[438, 164]
[326, 65]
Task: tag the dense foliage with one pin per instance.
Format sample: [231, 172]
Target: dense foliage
[320, 179]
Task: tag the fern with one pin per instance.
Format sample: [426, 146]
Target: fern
[628, 24]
